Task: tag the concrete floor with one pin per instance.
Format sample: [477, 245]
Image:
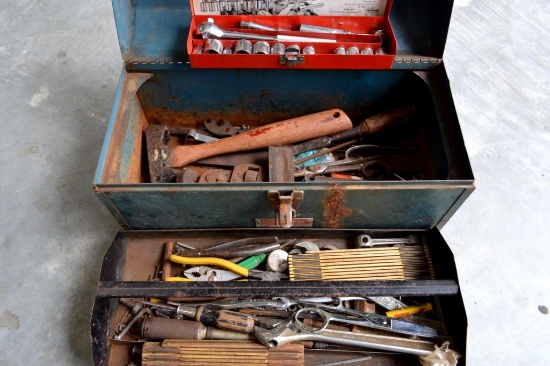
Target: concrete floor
[59, 66]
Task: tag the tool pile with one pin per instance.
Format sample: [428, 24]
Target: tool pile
[372, 259]
[284, 330]
[320, 147]
[275, 331]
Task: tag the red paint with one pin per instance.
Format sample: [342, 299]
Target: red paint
[259, 131]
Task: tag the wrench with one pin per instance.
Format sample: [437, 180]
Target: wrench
[365, 241]
[291, 331]
[201, 136]
[129, 325]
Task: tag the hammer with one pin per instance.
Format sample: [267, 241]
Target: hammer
[163, 160]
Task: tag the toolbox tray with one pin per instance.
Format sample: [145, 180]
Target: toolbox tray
[130, 262]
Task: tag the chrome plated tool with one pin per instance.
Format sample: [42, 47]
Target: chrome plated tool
[367, 320]
[205, 273]
[293, 331]
[236, 248]
[209, 30]
[365, 241]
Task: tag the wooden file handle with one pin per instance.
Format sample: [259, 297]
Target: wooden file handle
[279, 133]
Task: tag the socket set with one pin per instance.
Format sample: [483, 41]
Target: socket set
[308, 40]
[246, 47]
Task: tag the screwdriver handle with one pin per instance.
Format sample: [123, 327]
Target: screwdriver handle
[226, 319]
[253, 262]
[369, 126]
[390, 118]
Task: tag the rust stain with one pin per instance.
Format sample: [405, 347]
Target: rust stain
[195, 119]
[259, 131]
[334, 210]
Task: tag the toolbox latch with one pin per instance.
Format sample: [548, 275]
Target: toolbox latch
[285, 207]
[291, 57]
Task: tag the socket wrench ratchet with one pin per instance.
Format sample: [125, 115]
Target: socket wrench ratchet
[209, 30]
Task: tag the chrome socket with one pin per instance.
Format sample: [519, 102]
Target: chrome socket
[367, 51]
[340, 51]
[352, 50]
[278, 49]
[243, 46]
[308, 50]
[261, 48]
[213, 46]
[293, 48]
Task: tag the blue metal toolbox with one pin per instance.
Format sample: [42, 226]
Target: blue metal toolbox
[160, 85]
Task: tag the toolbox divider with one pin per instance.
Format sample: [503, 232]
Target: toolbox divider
[139, 289]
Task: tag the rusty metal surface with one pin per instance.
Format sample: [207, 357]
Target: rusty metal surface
[334, 207]
[425, 204]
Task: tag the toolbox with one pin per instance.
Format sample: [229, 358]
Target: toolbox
[169, 80]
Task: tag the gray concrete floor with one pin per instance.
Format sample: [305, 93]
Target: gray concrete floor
[59, 66]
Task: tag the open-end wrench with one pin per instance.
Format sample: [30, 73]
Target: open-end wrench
[365, 241]
[292, 331]
[201, 136]
[129, 325]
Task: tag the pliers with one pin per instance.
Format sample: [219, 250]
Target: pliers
[203, 273]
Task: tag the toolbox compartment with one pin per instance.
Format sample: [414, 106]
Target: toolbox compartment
[130, 261]
[187, 97]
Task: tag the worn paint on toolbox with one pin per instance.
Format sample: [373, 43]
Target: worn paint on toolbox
[334, 209]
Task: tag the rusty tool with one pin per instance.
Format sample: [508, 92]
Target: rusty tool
[281, 166]
[224, 319]
[223, 127]
[163, 159]
[161, 328]
[369, 126]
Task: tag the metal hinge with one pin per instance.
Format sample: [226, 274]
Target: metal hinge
[285, 207]
[291, 56]
[418, 60]
[155, 62]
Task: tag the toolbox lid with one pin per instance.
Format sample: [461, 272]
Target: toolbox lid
[156, 31]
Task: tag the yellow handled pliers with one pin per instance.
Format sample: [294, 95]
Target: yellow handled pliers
[240, 271]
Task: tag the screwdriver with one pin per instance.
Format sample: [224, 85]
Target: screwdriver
[224, 319]
[369, 126]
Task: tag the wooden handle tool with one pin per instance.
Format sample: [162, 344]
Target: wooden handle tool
[370, 126]
[279, 133]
